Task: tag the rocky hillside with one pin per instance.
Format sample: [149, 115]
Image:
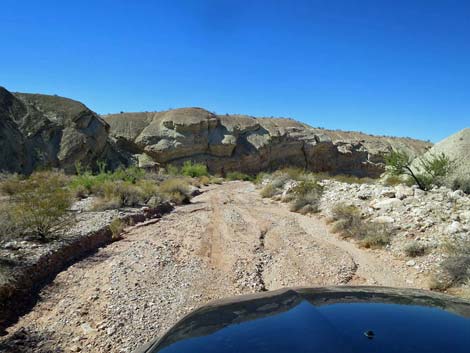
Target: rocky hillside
[249, 144]
[48, 131]
[457, 148]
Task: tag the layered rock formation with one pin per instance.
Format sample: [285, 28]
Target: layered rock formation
[244, 143]
[49, 131]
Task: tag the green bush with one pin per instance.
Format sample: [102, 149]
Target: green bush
[430, 170]
[194, 170]
[238, 176]
[41, 203]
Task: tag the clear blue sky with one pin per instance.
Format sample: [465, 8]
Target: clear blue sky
[397, 67]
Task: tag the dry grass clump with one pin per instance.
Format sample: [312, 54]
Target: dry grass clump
[175, 190]
[455, 269]
[204, 180]
[307, 195]
[269, 191]
[461, 183]
[116, 227]
[414, 249]
[349, 224]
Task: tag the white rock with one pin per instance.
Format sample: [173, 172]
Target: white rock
[402, 191]
[384, 219]
[387, 193]
[411, 263]
[454, 227]
[387, 204]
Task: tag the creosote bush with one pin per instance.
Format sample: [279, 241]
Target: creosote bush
[194, 170]
[40, 203]
[349, 224]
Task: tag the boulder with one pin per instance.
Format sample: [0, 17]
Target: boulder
[49, 131]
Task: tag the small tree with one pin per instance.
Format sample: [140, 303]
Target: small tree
[429, 171]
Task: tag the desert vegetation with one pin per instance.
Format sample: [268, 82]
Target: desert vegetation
[349, 223]
[426, 172]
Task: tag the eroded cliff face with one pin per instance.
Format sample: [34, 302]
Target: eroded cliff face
[48, 131]
[240, 142]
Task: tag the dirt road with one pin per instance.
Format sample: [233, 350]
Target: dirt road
[229, 241]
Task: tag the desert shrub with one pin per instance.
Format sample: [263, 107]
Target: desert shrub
[374, 235]
[269, 191]
[349, 224]
[293, 173]
[116, 194]
[116, 227]
[307, 195]
[205, 180]
[176, 190]
[194, 170]
[461, 183]
[429, 171]
[215, 180]
[9, 185]
[346, 218]
[455, 269]
[172, 169]
[279, 180]
[260, 177]
[238, 176]
[8, 227]
[41, 203]
[415, 249]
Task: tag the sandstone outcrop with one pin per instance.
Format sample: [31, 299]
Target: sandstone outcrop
[240, 142]
[49, 131]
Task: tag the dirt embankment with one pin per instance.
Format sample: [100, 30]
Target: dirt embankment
[229, 241]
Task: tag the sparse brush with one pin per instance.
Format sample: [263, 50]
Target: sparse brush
[10, 185]
[41, 203]
[307, 195]
[455, 269]
[176, 190]
[461, 183]
[238, 176]
[349, 224]
[205, 180]
[269, 191]
[116, 227]
[415, 249]
[351, 179]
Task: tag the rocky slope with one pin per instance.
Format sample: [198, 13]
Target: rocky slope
[457, 148]
[49, 131]
[241, 142]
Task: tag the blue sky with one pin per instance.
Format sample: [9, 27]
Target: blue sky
[382, 67]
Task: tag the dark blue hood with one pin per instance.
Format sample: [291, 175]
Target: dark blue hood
[329, 320]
